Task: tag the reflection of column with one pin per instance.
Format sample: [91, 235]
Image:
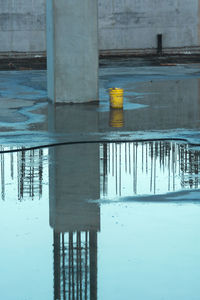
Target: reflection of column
[2, 176]
[75, 180]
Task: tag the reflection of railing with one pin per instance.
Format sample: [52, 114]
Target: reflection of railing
[24, 171]
[75, 265]
[148, 167]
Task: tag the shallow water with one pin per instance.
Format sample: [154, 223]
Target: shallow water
[100, 221]
[159, 101]
[105, 220]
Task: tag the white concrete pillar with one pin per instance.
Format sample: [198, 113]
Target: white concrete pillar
[72, 50]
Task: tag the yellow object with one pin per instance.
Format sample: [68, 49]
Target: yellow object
[116, 97]
[116, 118]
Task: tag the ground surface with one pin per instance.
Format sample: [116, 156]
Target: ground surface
[159, 101]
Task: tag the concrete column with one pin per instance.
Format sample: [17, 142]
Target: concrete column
[72, 50]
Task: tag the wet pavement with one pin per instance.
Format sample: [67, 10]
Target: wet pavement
[115, 216]
[160, 102]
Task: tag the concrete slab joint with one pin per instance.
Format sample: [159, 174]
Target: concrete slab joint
[72, 50]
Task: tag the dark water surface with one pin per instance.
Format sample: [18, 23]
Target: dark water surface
[101, 221]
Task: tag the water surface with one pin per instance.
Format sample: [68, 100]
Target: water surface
[101, 221]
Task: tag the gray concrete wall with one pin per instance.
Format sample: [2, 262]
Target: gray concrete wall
[22, 25]
[123, 25]
[134, 24]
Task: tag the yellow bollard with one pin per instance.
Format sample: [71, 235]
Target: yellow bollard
[116, 97]
[116, 118]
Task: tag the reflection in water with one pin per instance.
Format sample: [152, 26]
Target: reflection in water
[74, 177]
[116, 118]
[23, 170]
[148, 168]
[30, 173]
[75, 222]
[3, 176]
[75, 265]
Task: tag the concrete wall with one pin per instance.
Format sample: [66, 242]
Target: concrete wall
[22, 25]
[128, 24]
[134, 24]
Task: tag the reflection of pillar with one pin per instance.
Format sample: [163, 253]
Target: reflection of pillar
[74, 179]
[72, 50]
[2, 177]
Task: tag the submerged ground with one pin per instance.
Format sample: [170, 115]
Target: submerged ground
[116, 217]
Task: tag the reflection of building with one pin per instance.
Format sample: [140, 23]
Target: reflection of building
[74, 180]
[75, 265]
[148, 168]
[25, 170]
[30, 171]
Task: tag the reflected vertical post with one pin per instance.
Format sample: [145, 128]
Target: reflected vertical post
[56, 238]
[75, 180]
[93, 265]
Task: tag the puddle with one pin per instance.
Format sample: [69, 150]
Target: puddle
[159, 100]
[58, 236]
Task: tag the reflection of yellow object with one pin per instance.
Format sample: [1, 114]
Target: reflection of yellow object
[116, 97]
[116, 118]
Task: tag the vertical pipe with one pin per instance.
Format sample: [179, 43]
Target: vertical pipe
[2, 176]
[11, 165]
[120, 171]
[159, 44]
[86, 265]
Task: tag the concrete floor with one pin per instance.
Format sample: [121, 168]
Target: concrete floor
[160, 101]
